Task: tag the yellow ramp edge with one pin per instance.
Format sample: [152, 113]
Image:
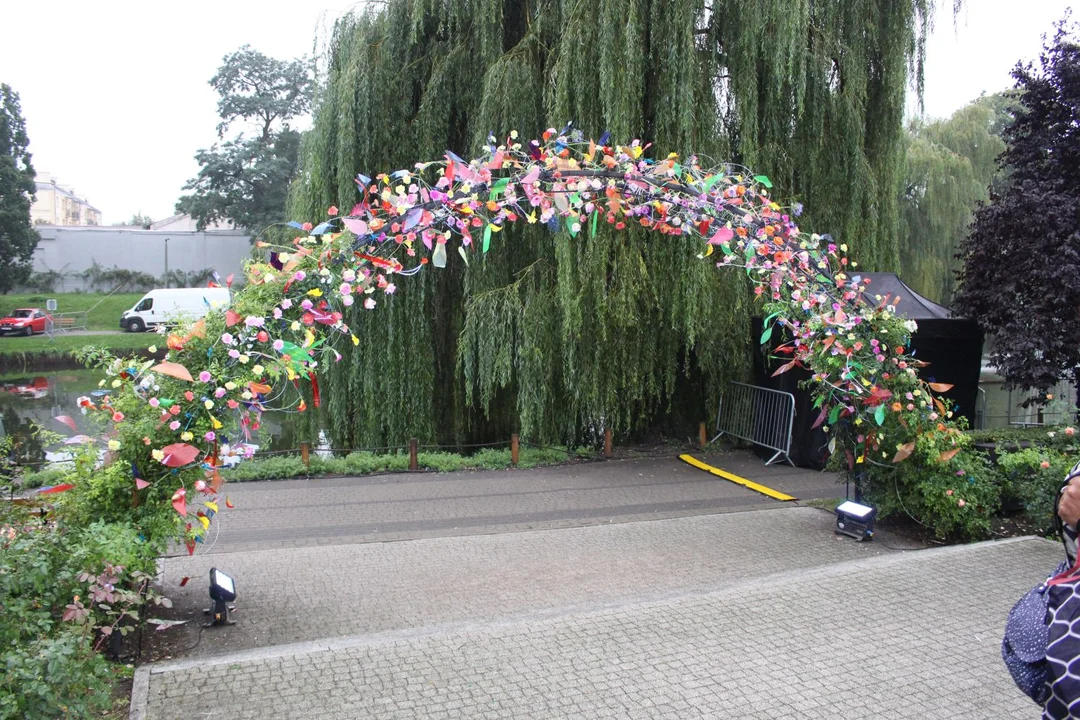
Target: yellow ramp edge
[776, 494]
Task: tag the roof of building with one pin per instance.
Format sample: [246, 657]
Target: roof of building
[65, 192]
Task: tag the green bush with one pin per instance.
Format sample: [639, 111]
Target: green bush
[266, 468]
[51, 676]
[945, 485]
[52, 667]
[1033, 475]
[44, 478]
[364, 463]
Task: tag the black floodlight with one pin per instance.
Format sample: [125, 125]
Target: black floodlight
[222, 592]
[855, 520]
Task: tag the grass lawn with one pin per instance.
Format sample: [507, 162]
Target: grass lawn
[104, 316]
[66, 343]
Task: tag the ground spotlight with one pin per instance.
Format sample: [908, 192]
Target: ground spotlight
[222, 592]
[856, 520]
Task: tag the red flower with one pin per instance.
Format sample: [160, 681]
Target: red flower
[117, 416]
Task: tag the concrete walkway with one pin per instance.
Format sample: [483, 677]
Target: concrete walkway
[384, 508]
[756, 614]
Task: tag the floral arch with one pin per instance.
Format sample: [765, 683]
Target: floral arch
[220, 373]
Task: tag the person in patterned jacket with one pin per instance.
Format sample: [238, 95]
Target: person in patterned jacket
[1063, 649]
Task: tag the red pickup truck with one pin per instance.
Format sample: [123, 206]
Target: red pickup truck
[25, 321]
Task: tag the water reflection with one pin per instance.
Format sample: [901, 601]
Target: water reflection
[39, 397]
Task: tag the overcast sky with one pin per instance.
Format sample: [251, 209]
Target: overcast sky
[116, 99]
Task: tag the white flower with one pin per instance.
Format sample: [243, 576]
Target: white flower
[911, 326]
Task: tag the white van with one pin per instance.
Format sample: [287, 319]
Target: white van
[161, 306]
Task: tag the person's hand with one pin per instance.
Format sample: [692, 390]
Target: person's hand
[1069, 505]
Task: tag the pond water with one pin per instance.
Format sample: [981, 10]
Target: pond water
[38, 397]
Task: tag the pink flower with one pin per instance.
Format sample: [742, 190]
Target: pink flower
[306, 226]
[306, 304]
[117, 416]
[219, 393]
[154, 402]
[174, 425]
[174, 410]
[227, 338]
[279, 345]
[960, 503]
[332, 210]
[210, 436]
[277, 313]
[233, 404]
[948, 492]
[234, 353]
[254, 321]
[390, 288]
[299, 275]
[347, 301]
[345, 288]
[286, 304]
[205, 376]
[370, 303]
[1044, 464]
[1070, 431]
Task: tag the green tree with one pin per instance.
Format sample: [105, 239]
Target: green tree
[1021, 262]
[245, 180]
[949, 167]
[140, 220]
[18, 238]
[558, 337]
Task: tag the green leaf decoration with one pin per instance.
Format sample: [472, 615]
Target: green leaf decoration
[879, 415]
[487, 238]
[570, 225]
[834, 414]
[763, 180]
[499, 187]
[592, 230]
[709, 182]
[766, 335]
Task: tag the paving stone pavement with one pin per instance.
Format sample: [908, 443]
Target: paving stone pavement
[350, 510]
[316, 592]
[887, 635]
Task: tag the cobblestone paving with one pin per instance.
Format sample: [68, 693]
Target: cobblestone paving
[345, 511]
[316, 592]
[899, 635]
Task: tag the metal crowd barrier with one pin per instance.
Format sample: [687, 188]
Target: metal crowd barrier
[758, 415]
[60, 323]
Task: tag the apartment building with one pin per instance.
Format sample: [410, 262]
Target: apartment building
[59, 205]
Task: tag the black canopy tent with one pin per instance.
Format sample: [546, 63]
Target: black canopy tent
[951, 345]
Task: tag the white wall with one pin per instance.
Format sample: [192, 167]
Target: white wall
[71, 250]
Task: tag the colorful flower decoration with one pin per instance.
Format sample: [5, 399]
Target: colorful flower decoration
[284, 325]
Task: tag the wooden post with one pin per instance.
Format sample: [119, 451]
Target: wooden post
[305, 454]
[514, 449]
[607, 443]
[702, 440]
[414, 464]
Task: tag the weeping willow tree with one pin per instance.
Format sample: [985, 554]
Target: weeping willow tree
[950, 166]
[558, 337]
